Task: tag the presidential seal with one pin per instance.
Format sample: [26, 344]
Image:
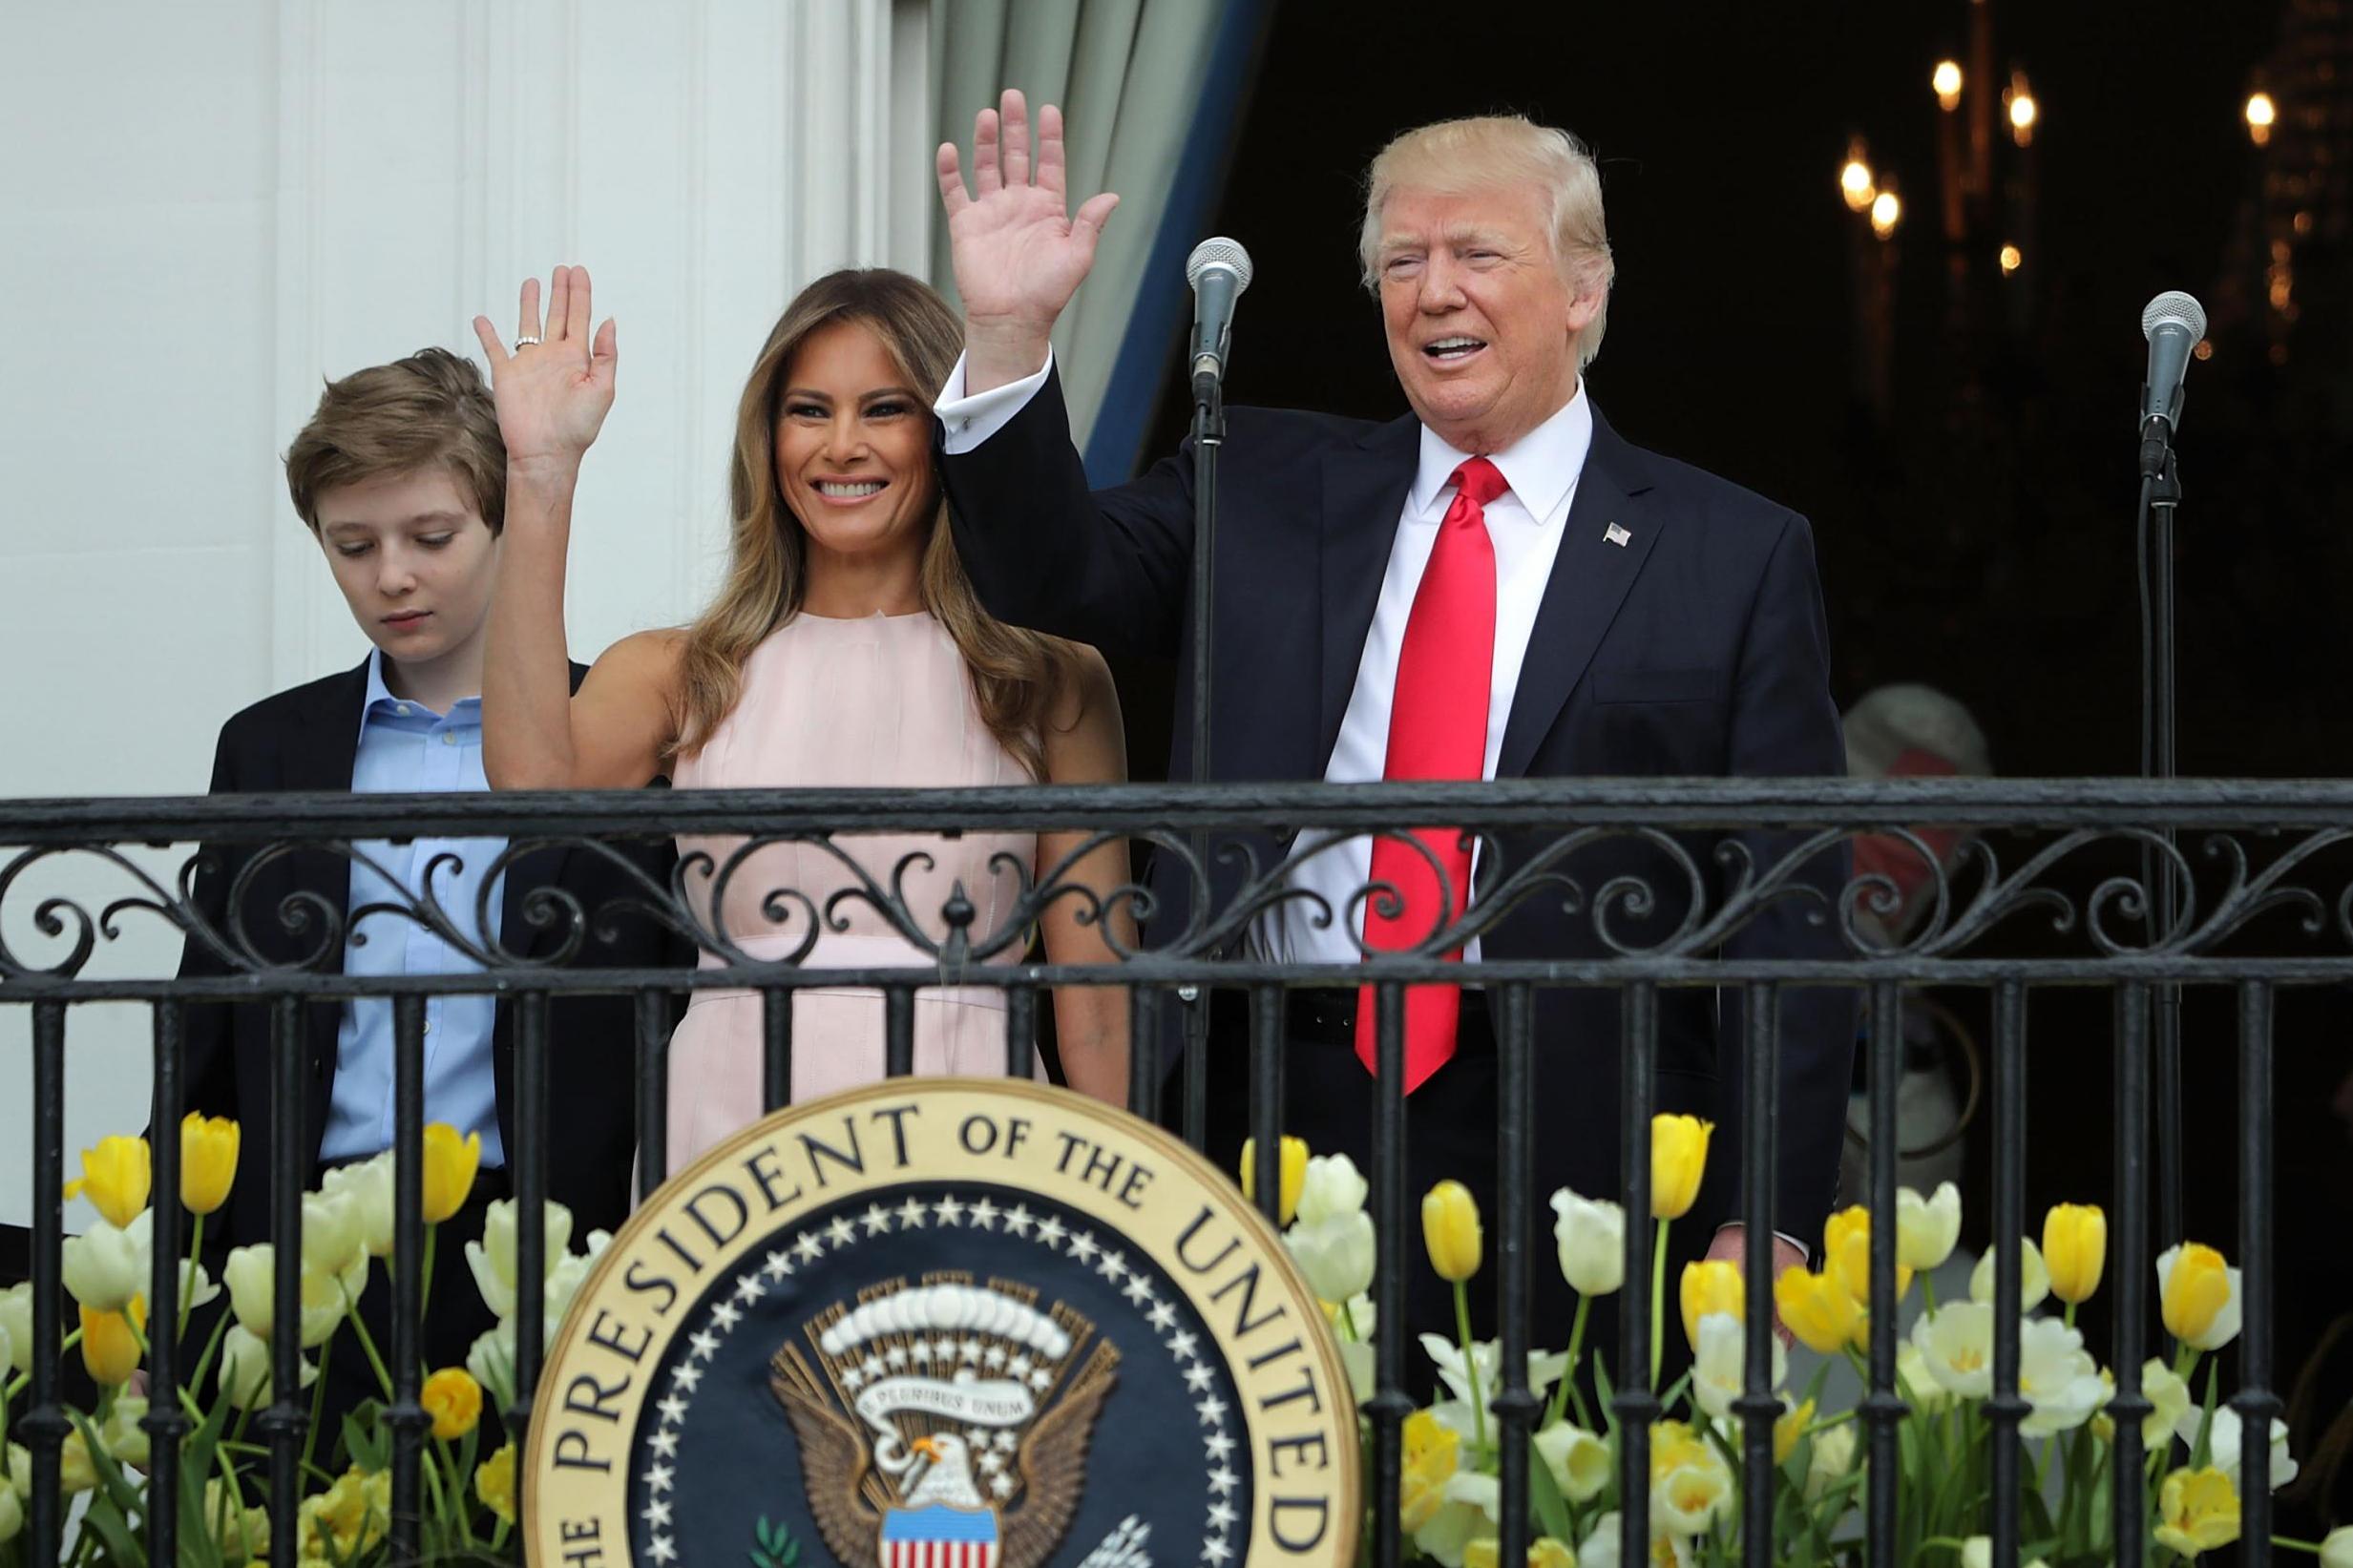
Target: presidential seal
[944, 1322]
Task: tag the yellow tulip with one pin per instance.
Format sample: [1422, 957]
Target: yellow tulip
[2074, 1249]
[2199, 1296]
[1816, 1308]
[453, 1400]
[1544, 1552]
[1432, 1450]
[450, 1165]
[1291, 1152]
[2197, 1510]
[1788, 1429]
[110, 1347]
[1846, 1252]
[495, 1483]
[1450, 1229]
[1710, 1286]
[207, 1161]
[114, 1178]
[1678, 1160]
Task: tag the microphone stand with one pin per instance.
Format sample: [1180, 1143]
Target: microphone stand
[2160, 499]
[1209, 436]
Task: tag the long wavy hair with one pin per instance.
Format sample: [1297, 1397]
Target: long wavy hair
[1017, 675]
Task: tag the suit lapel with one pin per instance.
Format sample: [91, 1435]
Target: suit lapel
[1591, 577]
[1364, 497]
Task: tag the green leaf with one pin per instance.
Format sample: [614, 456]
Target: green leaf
[364, 1441]
[1551, 1507]
[1601, 1389]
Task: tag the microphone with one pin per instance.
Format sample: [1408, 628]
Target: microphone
[2174, 323]
[1217, 271]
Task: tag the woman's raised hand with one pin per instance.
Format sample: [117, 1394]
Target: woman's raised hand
[555, 386]
[1019, 252]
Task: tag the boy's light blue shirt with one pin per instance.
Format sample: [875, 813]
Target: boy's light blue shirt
[405, 746]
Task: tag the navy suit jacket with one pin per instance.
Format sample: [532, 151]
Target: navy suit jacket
[306, 738]
[1697, 648]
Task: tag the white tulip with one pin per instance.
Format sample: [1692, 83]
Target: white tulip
[2336, 1549]
[2225, 1441]
[332, 1234]
[1833, 1457]
[16, 1324]
[1913, 1382]
[370, 1186]
[106, 1266]
[122, 1435]
[492, 1258]
[1977, 1552]
[2058, 1377]
[244, 1369]
[1468, 1508]
[1927, 1228]
[1718, 1362]
[1590, 1237]
[1579, 1462]
[1601, 1548]
[1331, 1188]
[1955, 1344]
[1336, 1254]
[251, 1274]
[491, 1359]
[2033, 1276]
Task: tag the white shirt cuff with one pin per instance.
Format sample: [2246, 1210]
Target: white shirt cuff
[969, 421]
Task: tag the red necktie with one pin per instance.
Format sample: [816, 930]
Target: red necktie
[1437, 729]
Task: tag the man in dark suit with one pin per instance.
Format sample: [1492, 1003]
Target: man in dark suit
[401, 476]
[1497, 586]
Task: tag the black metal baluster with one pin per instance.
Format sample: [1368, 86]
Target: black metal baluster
[1516, 1406]
[1759, 1405]
[1392, 1242]
[653, 1090]
[1266, 1108]
[1883, 1407]
[2008, 1408]
[286, 1420]
[1144, 1051]
[775, 1048]
[898, 1021]
[2131, 1406]
[2255, 1401]
[44, 1425]
[1021, 1033]
[165, 1422]
[407, 1417]
[1636, 1401]
[528, 1166]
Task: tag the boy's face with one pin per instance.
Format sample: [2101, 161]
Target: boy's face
[414, 560]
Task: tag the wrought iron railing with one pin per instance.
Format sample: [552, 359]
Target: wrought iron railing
[2043, 891]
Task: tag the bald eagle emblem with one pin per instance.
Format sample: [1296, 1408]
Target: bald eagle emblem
[944, 1424]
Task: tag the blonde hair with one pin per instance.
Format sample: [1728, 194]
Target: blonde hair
[1500, 151]
[1017, 675]
[431, 410]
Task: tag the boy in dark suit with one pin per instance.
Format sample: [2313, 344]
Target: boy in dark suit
[401, 476]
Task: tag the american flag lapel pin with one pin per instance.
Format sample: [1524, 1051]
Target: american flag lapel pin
[1616, 535]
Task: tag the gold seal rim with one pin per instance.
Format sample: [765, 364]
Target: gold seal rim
[1339, 1420]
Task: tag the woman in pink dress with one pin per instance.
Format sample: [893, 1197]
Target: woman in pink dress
[845, 648]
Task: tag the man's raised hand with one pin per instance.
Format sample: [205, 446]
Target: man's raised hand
[556, 386]
[1019, 252]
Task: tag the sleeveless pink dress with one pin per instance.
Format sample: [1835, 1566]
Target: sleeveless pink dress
[884, 703]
